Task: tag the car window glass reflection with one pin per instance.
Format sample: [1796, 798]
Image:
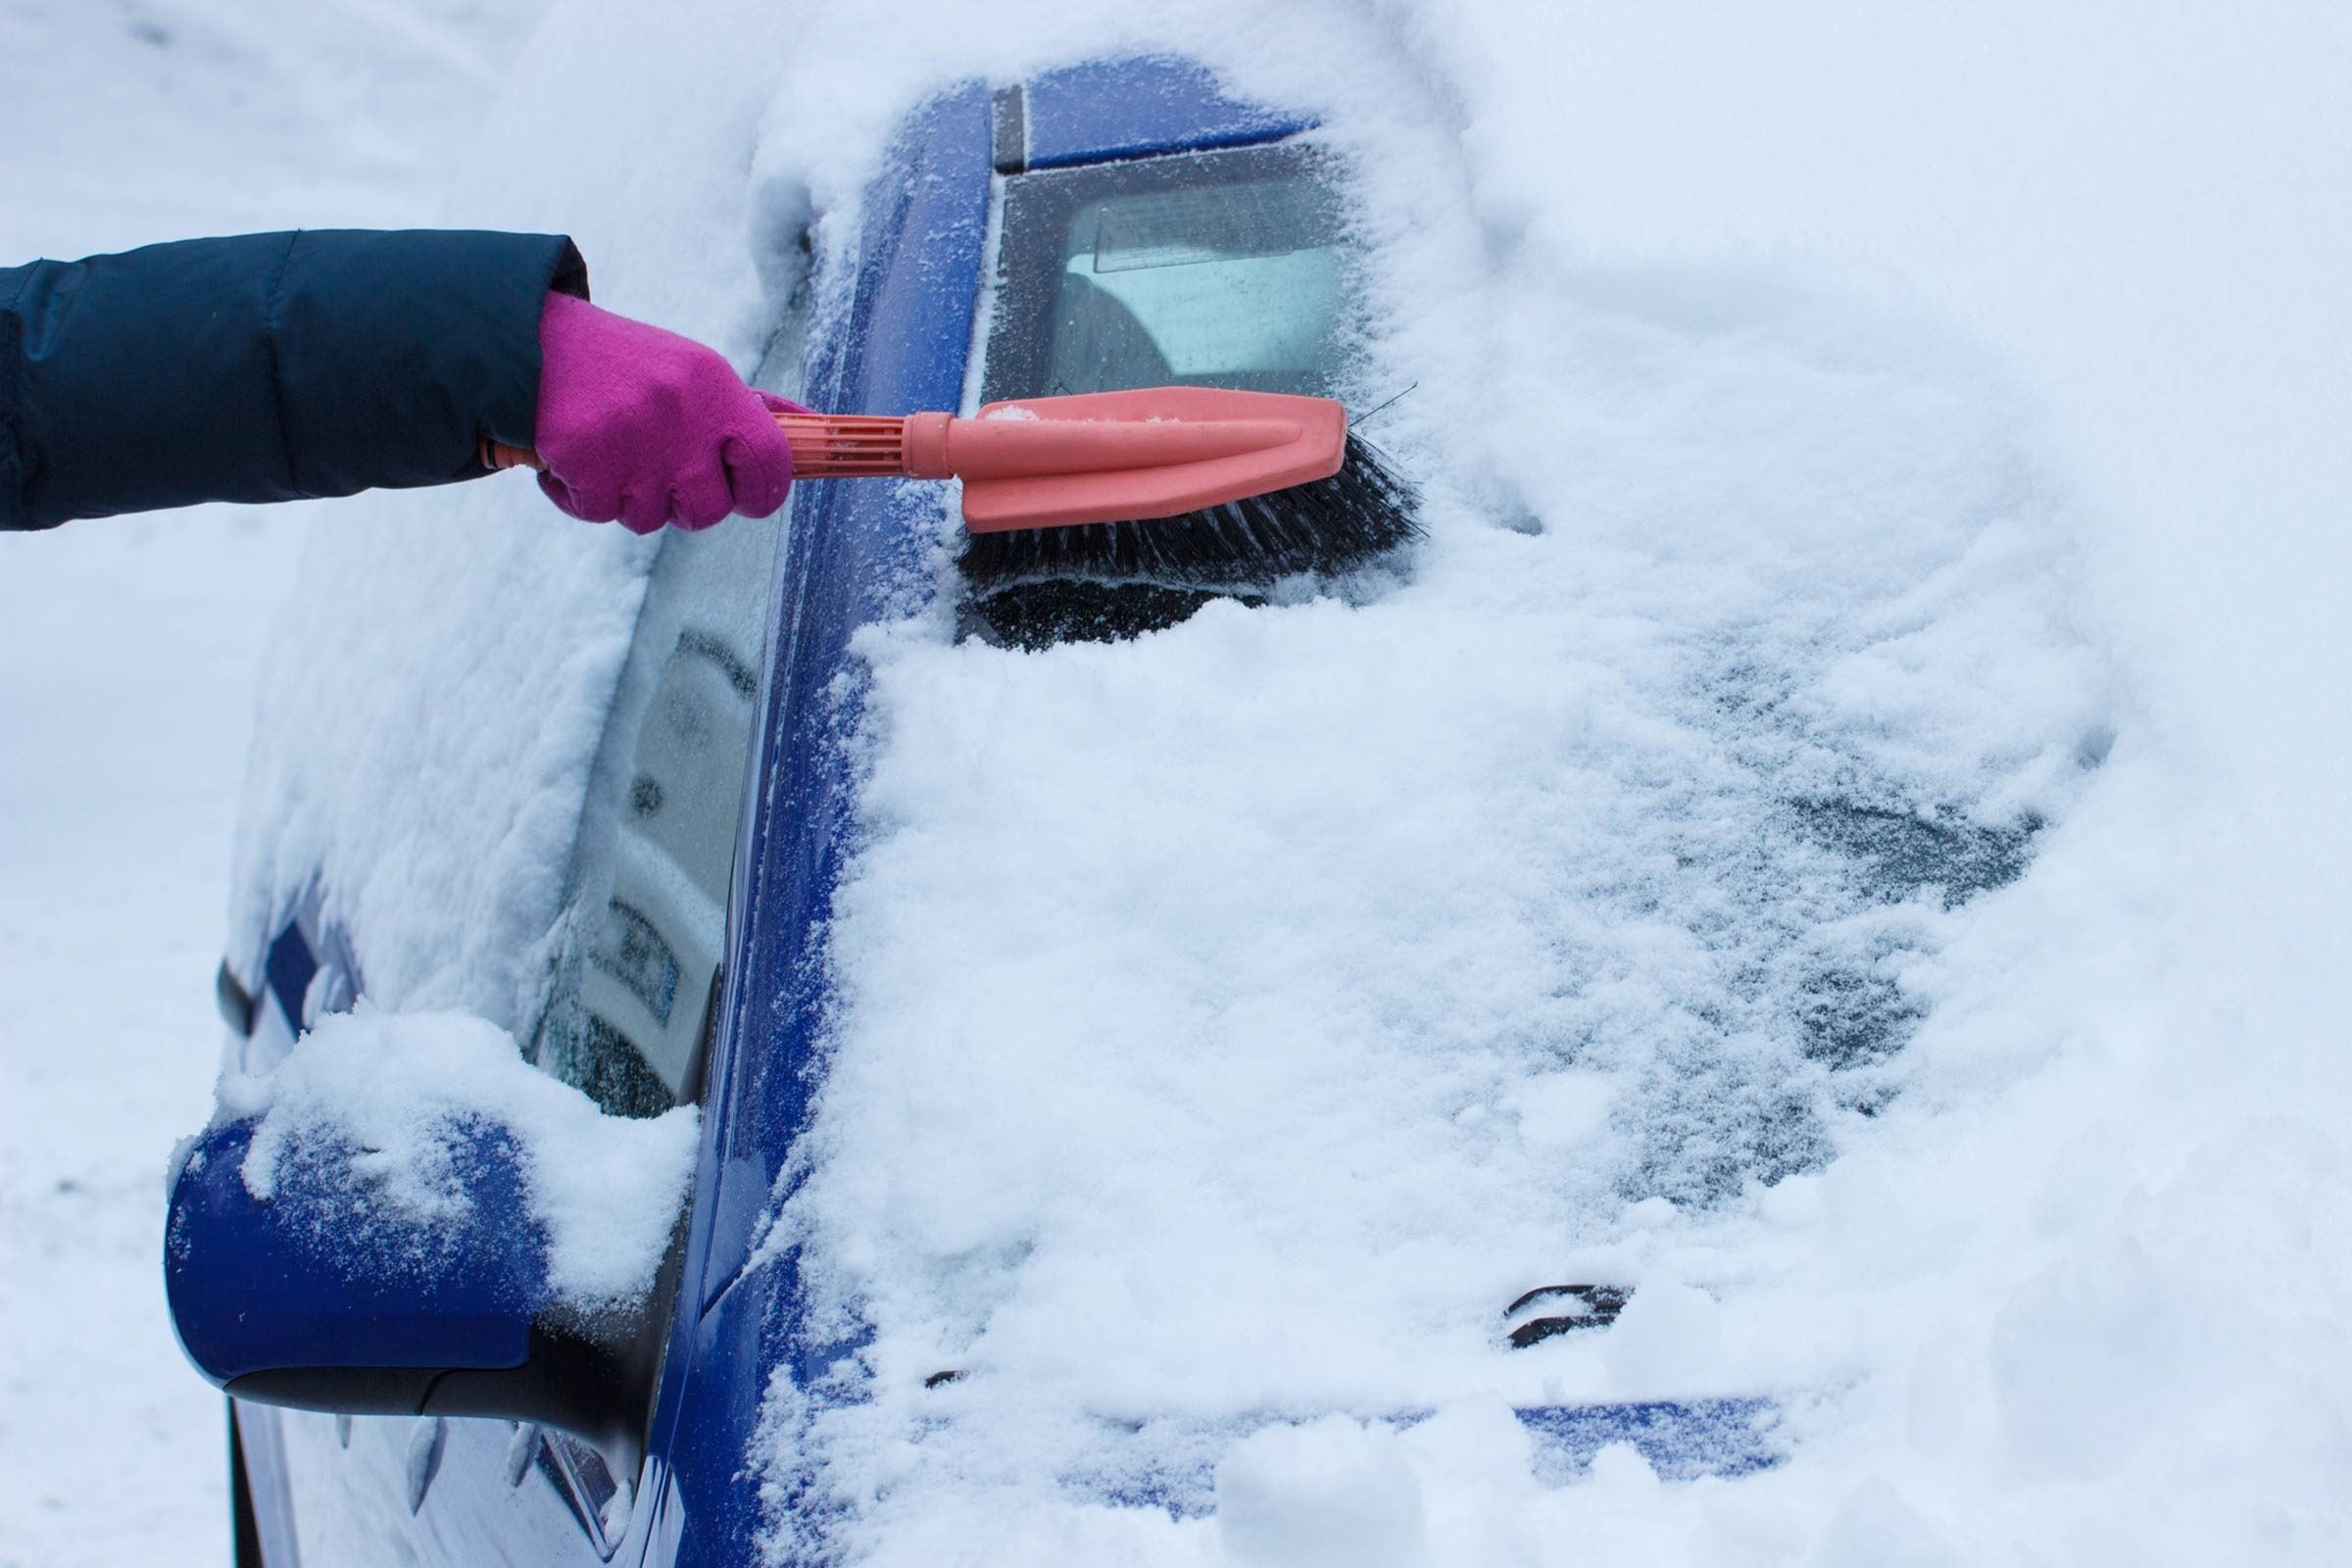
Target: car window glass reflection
[658, 844]
[1233, 285]
[1211, 269]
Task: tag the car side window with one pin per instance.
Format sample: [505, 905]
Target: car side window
[655, 854]
[641, 945]
[638, 961]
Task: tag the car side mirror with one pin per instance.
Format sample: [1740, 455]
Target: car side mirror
[316, 1293]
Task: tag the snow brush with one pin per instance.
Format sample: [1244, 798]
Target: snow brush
[1146, 571]
[1177, 484]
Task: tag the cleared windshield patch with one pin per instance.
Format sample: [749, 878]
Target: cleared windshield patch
[1216, 270]
[1229, 268]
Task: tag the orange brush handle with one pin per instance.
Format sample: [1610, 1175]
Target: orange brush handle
[933, 446]
[1089, 457]
[824, 446]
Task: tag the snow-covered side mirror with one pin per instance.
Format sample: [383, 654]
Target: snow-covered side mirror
[409, 1219]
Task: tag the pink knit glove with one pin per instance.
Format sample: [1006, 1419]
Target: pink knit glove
[647, 427]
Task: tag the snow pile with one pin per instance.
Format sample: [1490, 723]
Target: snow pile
[502, 639]
[1234, 1020]
[401, 1099]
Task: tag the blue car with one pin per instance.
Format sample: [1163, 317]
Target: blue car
[457, 1415]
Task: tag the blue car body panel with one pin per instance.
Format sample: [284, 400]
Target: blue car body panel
[853, 551]
[856, 554]
[288, 971]
[468, 1302]
[1113, 109]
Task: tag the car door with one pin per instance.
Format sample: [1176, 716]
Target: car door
[633, 971]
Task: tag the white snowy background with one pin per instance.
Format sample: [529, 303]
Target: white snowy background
[2087, 1290]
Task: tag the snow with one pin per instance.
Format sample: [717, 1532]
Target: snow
[1942, 413]
[1861, 383]
[1325, 1493]
[128, 654]
[405, 1093]
[133, 121]
[509, 634]
[489, 619]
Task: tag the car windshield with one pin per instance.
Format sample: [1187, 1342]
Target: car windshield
[1223, 268]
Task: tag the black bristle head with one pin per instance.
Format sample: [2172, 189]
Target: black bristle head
[1325, 528]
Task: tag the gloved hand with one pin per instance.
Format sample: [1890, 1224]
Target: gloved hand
[647, 427]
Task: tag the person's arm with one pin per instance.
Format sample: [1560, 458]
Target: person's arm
[268, 367]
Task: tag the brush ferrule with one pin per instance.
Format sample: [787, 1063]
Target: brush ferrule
[846, 446]
[926, 445]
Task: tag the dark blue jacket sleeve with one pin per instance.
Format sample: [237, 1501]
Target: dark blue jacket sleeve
[268, 366]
